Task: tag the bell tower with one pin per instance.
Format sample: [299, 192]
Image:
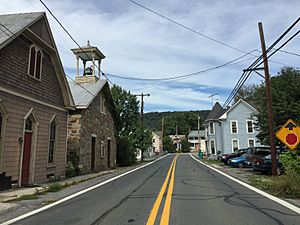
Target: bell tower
[89, 56]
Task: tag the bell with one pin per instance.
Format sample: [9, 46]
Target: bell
[88, 71]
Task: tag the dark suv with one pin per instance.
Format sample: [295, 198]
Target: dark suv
[254, 153]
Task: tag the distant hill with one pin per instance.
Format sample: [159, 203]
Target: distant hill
[185, 120]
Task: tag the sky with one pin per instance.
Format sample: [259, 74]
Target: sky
[139, 43]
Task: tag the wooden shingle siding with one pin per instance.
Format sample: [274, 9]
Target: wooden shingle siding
[40, 29]
[17, 109]
[14, 68]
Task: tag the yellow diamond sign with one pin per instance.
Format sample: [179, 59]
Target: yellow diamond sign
[289, 134]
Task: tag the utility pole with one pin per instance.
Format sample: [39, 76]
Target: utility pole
[198, 133]
[142, 119]
[162, 133]
[269, 100]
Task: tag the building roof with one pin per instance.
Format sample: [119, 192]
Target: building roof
[158, 133]
[178, 136]
[240, 101]
[216, 112]
[84, 93]
[194, 133]
[13, 25]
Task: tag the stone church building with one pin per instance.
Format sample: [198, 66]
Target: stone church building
[91, 131]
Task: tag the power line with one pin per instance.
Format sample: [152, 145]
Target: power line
[60, 24]
[13, 34]
[288, 52]
[182, 76]
[248, 71]
[278, 49]
[192, 30]
[166, 82]
[186, 27]
[145, 79]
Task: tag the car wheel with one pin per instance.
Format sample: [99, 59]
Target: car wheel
[240, 165]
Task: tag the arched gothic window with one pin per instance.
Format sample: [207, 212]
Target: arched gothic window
[35, 62]
[52, 141]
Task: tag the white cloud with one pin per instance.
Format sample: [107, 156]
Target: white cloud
[141, 44]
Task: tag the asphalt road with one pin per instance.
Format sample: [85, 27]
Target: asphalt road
[190, 193]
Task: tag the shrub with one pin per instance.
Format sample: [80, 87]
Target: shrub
[291, 162]
[54, 187]
[70, 170]
[126, 154]
[287, 186]
[72, 167]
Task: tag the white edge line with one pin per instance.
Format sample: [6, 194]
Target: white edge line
[76, 194]
[273, 198]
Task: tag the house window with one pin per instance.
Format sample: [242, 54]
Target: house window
[35, 62]
[234, 128]
[251, 142]
[153, 140]
[212, 147]
[102, 104]
[52, 142]
[235, 145]
[211, 128]
[102, 150]
[28, 124]
[250, 128]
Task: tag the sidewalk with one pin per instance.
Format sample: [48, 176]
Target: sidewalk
[15, 193]
[33, 200]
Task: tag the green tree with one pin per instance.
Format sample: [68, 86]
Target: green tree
[246, 93]
[183, 121]
[185, 146]
[285, 93]
[132, 136]
[189, 120]
[168, 145]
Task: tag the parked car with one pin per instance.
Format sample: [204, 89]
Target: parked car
[254, 153]
[238, 161]
[235, 154]
[264, 165]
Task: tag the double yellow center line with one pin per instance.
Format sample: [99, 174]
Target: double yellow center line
[166, 211]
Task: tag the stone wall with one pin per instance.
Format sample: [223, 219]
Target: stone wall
[85, 124]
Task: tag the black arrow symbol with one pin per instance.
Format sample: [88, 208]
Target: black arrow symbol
[290, 126]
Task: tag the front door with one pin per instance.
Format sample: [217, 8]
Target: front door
[108, 154]
[93, 152]
[26, 158]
